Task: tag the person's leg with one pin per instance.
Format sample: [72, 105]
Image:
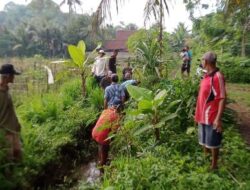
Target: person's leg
[215, 156]
[188, 69]
[213, 142]
[17, 149]
[10, 145]
[104, 149]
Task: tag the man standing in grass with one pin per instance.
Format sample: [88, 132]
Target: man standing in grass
[112, 61]
[9, 124]
[100, 67]
[210, 106]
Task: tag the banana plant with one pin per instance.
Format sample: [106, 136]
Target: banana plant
[149, 105]
[80, 59]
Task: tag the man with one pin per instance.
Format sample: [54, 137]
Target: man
[100, 67]
[128, 81]
[9, 124]
[185, 59]
[112, 61]
[106, 81]
[189, 59]
[114, 96]
[125, 70]
[107, 123]
[210, 106]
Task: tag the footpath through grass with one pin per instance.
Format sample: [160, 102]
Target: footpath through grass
[240, 93]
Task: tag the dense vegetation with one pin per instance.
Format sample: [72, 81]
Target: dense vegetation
[156, 147]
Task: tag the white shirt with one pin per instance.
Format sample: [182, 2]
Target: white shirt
[100, 66]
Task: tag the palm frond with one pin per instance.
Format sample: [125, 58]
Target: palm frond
[104, 11]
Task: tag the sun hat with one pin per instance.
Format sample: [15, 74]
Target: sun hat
[8, 69]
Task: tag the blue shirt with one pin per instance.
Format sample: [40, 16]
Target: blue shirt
[114, 94]
[126, 83]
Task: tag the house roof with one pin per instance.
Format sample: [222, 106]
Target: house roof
[120, 41]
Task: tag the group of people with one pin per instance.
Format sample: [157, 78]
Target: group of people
[114, 97]
[209, 108]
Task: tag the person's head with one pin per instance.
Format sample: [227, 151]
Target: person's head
[127, 76]
[8, 72]
[101, 53]
[209, 60]
[114, 78]
[186, 48]
[109, 74]
[115, 52]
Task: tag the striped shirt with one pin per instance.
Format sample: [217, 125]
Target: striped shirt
[114, 94]
[212, 90]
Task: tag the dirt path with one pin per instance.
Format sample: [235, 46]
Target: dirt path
[243, 122]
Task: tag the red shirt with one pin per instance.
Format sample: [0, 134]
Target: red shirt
[212, 90]
[108, 121]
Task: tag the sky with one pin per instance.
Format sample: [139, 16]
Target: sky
[132, 12]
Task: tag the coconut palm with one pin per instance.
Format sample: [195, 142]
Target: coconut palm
[240, 11]
[71, 3]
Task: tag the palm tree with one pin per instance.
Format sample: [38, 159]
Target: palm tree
[239, 10]
[156, 7]
[71, 4]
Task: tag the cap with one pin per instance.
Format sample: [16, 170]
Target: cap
[101, 51]
[8, 69]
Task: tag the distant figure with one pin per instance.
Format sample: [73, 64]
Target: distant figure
[125, 70]
[100, 67]
[114, 96]
[112, 61]
[210, 106]
[107, 123]
[200, 71]
[185, 59]
[9, 124]
[189, 59]
[128, 81]
[106, 81]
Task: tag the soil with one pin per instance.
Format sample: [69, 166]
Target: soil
[243, 122]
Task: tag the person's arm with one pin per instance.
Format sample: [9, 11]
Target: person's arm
[106, 99]
[93, 69]
[221, 96]
[217, 122]
[105, 103]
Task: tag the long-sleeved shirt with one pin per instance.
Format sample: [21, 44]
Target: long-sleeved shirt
[100, 66]
[8, 118]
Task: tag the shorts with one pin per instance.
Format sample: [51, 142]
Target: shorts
[208, 136]
[185, 67]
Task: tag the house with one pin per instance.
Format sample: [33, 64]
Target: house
[120, 41]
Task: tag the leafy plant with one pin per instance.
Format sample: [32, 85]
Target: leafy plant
[148, 105]
[80, 59]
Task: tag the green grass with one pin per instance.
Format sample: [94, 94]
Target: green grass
[240, 93]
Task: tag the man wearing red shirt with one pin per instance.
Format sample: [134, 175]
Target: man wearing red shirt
[210, 106]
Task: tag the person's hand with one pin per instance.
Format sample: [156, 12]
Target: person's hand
[217, 125]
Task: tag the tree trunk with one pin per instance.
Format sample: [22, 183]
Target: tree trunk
[161, 28]
[83, 77]
[243, 43]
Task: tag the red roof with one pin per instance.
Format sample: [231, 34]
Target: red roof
[120, 41]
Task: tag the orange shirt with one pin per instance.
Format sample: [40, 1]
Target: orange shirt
[107, 122]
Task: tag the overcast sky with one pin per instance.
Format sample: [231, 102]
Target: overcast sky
[132, 12]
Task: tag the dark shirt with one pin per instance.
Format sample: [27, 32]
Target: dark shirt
[105, 82]
[8, 118]
[112, 64]
[126, 70]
